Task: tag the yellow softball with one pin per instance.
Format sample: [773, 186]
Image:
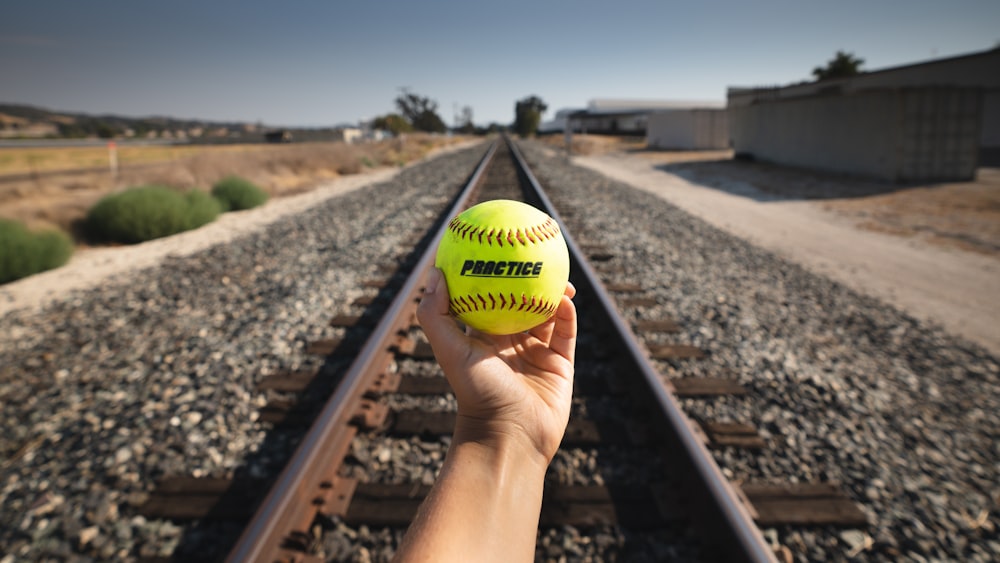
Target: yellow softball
[506, 265]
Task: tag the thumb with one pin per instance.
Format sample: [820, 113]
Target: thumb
[436, 321]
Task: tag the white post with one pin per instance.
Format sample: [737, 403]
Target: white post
[113, 160]
[568, 136]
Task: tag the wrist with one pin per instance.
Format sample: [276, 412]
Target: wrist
[503, 445]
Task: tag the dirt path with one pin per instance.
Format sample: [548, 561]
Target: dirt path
[957, 289]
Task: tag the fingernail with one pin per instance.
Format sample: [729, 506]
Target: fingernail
[433, 278]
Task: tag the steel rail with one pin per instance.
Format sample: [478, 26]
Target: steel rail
[287, 505]
[727, 508]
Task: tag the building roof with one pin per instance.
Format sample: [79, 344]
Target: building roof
[619, 106]
[973, 70]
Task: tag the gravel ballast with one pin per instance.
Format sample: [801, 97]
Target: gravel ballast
[154, 374]
[844, 388]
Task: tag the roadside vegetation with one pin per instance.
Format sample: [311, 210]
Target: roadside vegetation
[193, 185]
[149, 212]
[24, 252]
[235, 194]
[54, 199]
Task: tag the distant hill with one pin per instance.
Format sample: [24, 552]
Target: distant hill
[28, 122]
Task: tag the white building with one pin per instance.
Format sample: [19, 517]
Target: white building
[617, 116]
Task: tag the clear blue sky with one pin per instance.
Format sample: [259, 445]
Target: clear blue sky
[318, 63]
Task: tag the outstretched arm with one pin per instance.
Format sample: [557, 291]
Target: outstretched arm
[513, 396]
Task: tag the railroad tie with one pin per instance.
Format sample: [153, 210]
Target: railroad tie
[657, 325]
[803, 504]
[733, 434]
[623, 287]
[638, 302]
[706, 387]
[667, 352]
[636, 507]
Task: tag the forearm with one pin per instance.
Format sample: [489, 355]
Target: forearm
[484, 505]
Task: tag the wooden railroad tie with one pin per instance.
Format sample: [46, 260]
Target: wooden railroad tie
[668, 352]
[637, 507]
[323, 347]
[421, 385]
[415, 349]
[364, 300]
[349, 321]
[623, 287]
[638, 302]
[733, 434]
[190, 498]
[288, 381]
[803, 504]
[582, 386]
[659, 325]
[579, 431]
[706, 387]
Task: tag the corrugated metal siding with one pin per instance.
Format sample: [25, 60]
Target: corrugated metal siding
[912, 134]
[688, 129]
[940, 133]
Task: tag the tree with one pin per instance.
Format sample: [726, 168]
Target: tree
[465, 125]
[392, 122]
[430, 122]
[841, 65]
[420, 111]
[528, 114]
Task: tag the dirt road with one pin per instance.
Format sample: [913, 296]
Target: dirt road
[942, 283]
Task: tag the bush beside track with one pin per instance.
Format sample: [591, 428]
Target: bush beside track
[24, 252]
[236, 194]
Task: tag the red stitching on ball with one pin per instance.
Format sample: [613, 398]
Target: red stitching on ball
[499, 302]
[531, 234]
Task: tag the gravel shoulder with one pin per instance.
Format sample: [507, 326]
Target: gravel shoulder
[152, 371]
[90, 267]
[958, 289]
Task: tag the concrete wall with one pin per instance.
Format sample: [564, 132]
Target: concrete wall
[976, 70]
[897, 135]
[688, 129]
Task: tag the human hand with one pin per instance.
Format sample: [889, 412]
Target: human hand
[509, 388]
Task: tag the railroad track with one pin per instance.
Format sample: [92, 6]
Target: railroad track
[631, 459]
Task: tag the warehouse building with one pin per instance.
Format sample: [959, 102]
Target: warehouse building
[688, 129]
[617, 116]
[933, 121]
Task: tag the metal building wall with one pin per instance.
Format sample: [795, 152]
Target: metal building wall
[901, 134]
[688, 129]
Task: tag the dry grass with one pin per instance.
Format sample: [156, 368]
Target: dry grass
[587, 145]
[963, 215]
[62, 199]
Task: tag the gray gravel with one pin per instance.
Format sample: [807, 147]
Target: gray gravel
[154, 374]
[843, 387]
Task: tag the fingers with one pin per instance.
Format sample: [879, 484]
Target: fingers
[543, 332]
[563, 339]
[439, 326]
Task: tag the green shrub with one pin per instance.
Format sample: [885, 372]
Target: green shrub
[202, 208]
[235, 194]
[139, 214]
[23, 253]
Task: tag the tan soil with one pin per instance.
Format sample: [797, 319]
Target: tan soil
[932, 251]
